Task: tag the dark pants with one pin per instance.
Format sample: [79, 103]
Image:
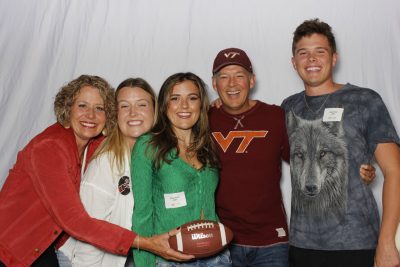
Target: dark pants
[299, 257]
[47, 259]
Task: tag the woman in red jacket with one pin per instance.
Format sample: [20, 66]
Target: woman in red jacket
[39, 201]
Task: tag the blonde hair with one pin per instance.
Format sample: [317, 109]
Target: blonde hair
[116, 142]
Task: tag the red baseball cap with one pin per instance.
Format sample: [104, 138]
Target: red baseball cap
[232, 56]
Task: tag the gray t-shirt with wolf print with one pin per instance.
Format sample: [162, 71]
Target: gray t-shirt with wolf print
[330, 137]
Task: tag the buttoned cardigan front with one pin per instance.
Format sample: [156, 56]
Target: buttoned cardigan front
[168, 197]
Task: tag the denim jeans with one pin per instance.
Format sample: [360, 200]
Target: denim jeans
[63, 260]
[222, 259]
[272, 256]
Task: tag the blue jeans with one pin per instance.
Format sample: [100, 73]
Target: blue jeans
[272, 256]
[64, 260]
[222, 259]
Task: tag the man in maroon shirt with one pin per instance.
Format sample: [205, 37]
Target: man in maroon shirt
[252, 141]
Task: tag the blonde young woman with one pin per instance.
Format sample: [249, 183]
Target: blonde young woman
[105, 190]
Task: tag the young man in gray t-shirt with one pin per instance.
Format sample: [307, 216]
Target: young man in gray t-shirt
[332, 129]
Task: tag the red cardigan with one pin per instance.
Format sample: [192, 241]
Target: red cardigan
[40, 199]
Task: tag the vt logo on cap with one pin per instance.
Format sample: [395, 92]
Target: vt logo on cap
[232, 56]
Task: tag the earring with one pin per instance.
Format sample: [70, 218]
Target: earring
[104, 132]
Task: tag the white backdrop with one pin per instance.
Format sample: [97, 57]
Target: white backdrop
[46, 43]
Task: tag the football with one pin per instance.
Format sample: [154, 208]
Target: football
[201, 238]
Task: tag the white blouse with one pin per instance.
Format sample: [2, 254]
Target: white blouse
[107, 196]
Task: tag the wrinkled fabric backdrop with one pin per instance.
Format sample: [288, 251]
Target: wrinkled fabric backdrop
[46, 43]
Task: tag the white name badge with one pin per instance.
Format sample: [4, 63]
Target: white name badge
[281, 232]
[175, 200]
[332, 114]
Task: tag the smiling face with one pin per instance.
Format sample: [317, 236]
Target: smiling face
[233, 84]
[135, 112]
[314, 62]
[183, 108]
[87, 115]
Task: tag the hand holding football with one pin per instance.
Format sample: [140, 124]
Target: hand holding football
[201, 238]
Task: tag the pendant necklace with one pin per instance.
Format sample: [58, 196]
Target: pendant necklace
[189, 155]
[316, 111]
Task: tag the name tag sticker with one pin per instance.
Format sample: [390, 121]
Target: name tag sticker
[175, 200]
[281, 232]
[332, 114]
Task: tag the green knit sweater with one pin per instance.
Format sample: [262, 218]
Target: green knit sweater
[167, 197]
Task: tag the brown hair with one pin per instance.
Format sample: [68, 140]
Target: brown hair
[309, 27]
[66, 96]
[164, 138]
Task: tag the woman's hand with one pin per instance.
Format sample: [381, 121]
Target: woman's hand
[216, 103]
[159, 245]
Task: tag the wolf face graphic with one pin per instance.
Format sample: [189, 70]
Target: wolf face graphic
[318, 165]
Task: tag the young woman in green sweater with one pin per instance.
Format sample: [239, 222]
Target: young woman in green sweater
[175, 168]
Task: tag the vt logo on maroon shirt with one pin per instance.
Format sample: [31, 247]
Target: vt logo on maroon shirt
[247, 137]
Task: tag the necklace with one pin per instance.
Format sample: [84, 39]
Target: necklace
[189, 156]
[316, 111]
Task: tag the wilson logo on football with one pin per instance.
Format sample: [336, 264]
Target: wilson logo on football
[201, 236]
[246, 136]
